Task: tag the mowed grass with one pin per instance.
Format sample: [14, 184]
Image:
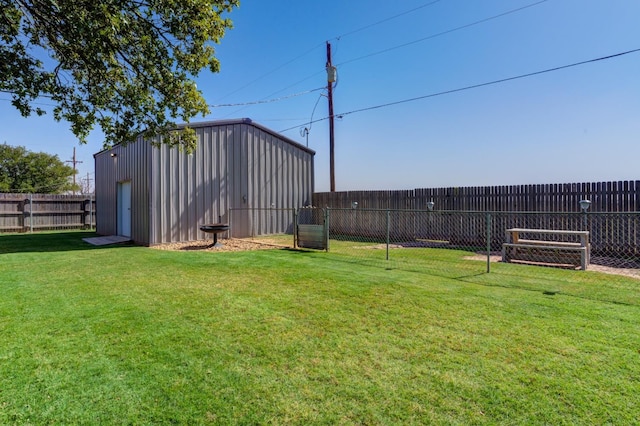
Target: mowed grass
[132, 335]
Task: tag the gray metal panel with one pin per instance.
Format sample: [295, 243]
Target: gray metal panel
[237, 164]
[128, 163]
[279, 175]
[105, 198]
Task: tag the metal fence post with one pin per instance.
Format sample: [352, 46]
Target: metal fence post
[31, 213]
[326, 224]
[23, 218]
[388, 218]
[488, 242]
[295, 227]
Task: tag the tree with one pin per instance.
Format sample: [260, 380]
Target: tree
[25, 171]
[126, 65]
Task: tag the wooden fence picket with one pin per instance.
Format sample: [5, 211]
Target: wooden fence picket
[25, 212]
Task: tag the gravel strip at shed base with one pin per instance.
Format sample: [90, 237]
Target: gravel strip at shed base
[233, 244]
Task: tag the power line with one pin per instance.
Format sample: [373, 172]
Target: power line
[33, 103]
[273, 70]
[12, 92]
[278, 91]
[313, 112]
[402, 45]
[475, 86]
[304, 131]
[322, 44]
[443, 33]
[366, 27]
[265, 101]
[261, 120]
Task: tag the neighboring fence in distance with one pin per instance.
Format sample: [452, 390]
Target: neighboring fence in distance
[622, 196]
[36, 212]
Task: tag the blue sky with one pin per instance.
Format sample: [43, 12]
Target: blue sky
[572, 125]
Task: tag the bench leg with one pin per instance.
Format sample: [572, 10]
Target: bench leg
[508, 253]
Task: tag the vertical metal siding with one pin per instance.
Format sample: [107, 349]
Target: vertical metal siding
[207, 170]
[154, 212]
[131, 163]
[236, 165]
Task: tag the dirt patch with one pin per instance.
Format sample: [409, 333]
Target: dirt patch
[631, 273]
[405, 244]
[233, 244]
[493, 258]
[378, 247]
[605, 269]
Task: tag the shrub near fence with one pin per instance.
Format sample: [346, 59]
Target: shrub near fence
[33, 212]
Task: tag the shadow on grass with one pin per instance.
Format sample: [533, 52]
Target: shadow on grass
[441, 269]
[46, 242]
[301, 250]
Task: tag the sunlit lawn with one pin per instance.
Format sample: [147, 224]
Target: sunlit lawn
[132, 335]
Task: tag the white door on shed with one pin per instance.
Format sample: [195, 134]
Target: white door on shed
[124, 209]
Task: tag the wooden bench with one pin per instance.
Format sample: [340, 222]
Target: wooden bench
[535, 249]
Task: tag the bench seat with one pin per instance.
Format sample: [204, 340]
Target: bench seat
[547, 252]
[549, 243]
[571, 255]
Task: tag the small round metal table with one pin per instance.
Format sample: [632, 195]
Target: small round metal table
[215, 229]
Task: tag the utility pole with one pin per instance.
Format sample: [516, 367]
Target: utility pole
[331, 78]
[88, 184]
[74, 162]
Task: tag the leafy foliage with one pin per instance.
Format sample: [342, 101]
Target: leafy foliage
[125, 65]
[25, 171]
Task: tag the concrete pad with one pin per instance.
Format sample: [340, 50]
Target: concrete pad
[105, 241]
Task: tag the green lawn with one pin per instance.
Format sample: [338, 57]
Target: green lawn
[132, 335]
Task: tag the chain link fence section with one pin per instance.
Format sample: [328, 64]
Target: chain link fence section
[427, 240]
[614, 238]
[358, 235]
[423, 240]
[409, 239]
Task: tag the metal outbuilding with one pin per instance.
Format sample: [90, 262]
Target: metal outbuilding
[156, 194]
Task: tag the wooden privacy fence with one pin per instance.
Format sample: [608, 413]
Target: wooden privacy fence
[30, 212]
[621, 196]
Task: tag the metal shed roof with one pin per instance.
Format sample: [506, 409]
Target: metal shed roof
[247, 121]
